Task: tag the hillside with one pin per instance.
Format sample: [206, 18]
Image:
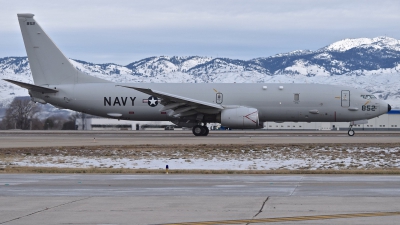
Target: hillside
[372, 64]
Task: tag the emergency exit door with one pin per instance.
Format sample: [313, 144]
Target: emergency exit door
[345, 98]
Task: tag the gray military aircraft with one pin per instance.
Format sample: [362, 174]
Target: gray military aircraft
[237, 106]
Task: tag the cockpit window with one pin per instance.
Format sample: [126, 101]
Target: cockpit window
[368, 96]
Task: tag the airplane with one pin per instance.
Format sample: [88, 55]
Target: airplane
[233, 105]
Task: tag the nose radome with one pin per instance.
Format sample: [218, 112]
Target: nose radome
[389, 108]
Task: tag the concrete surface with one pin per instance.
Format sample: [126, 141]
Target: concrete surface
[199, 185]
[14, 139]
[160, 199]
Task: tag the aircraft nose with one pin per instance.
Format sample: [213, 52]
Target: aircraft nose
[389, 108]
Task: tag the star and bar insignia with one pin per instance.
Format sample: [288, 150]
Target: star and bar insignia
[151, 101]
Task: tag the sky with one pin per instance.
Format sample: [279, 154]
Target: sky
[124, 31]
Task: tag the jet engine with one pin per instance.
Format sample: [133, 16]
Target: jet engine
[240, 118]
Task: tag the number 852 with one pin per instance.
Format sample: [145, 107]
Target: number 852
[368, 108]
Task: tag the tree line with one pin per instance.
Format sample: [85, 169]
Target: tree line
[24, 114]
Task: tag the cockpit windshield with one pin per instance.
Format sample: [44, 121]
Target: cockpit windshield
[368, 96]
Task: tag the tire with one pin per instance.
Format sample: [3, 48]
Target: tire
[198, 130]
[206, 131]
[351, 132]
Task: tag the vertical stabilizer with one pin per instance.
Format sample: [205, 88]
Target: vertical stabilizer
[48, 64]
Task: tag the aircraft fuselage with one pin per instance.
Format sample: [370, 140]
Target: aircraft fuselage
[275, 102]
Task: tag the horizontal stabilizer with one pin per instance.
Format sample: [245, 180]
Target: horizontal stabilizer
[32, 87]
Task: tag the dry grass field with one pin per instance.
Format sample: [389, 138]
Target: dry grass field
[207, 158]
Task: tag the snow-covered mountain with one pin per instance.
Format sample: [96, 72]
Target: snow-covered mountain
[368, 63]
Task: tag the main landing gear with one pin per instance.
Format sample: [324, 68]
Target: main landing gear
[199, 130]
[351, 131]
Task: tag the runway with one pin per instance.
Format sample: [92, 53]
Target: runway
[199, 185]
[196, 199]
[169, 199]
[15, 139]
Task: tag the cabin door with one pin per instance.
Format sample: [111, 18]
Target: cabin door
[345, 98]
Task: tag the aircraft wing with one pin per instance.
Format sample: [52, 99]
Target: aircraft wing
[32, 87]
[178, 104]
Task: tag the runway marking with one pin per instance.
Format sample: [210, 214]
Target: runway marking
[288, 219]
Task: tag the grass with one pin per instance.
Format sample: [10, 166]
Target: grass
[132, 149]
[330, 152]
[14, 169]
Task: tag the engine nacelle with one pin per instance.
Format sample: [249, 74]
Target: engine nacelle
[240, 118]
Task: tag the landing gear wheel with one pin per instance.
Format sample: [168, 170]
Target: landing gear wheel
[351, 132]
[206, 131]
[198, 130]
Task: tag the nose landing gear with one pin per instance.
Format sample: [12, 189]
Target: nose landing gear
[351, 131]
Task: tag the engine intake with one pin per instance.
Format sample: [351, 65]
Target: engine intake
[240, 118]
